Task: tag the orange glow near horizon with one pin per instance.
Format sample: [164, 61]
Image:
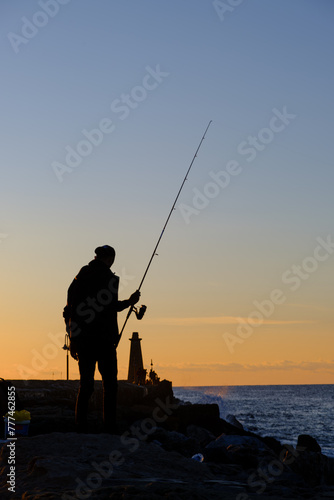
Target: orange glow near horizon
[192, 363]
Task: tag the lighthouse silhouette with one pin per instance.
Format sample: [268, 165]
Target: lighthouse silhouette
[136, 358]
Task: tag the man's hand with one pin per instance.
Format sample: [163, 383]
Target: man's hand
[73, 350]
[134, 298]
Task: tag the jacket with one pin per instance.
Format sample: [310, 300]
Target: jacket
[92, 304]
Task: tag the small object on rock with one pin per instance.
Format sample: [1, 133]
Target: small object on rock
[17, 424]
[307, 443]
[198, 457]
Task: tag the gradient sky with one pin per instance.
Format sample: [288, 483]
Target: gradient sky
[242, 289]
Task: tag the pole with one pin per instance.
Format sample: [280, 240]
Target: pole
[67, 365]
[163, 229]
[66, 348]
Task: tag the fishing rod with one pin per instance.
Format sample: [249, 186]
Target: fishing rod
[143, 308]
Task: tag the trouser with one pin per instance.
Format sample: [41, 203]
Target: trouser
[107, 365]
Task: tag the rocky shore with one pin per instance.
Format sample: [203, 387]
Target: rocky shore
[163, 448]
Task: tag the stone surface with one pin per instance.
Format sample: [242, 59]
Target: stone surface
[96, 466]
[69, 465]
[247, 451]
[92, 466]
[175, 441]
[233, 421]
[202, 436]
[225, 441]
[151, 455]
[314, 467]
[307, 443]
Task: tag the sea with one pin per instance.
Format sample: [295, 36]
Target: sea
[279, 411]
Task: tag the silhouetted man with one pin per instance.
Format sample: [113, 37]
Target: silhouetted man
[91, 319]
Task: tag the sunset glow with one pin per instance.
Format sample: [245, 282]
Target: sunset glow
[103, 108]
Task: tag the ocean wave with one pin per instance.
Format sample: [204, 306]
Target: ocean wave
[283, 412]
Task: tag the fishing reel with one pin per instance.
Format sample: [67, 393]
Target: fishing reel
[66, 345]
[140, 312]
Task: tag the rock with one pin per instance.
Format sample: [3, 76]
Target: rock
[307, 443]
[60, 466]
[273, 444]
[130, 394]
[247, 441]
[152, 456]
[52, 403]
[64, 392]
[162, 390]
[202, 415]
[316, 469]
[199, 434]
[175, 441]
[224, 427]
[247, 451]
[198, 414]
[233, 421]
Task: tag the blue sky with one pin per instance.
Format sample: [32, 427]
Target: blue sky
[261, 57]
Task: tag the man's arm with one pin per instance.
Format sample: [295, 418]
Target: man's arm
[131, 301]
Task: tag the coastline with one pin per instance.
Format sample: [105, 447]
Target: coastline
[282, 411]
[151, 455]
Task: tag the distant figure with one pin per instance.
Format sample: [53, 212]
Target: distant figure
[153, 377]
[91, 322]
[141, 376]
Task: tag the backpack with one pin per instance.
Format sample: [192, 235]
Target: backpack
[68, 309]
